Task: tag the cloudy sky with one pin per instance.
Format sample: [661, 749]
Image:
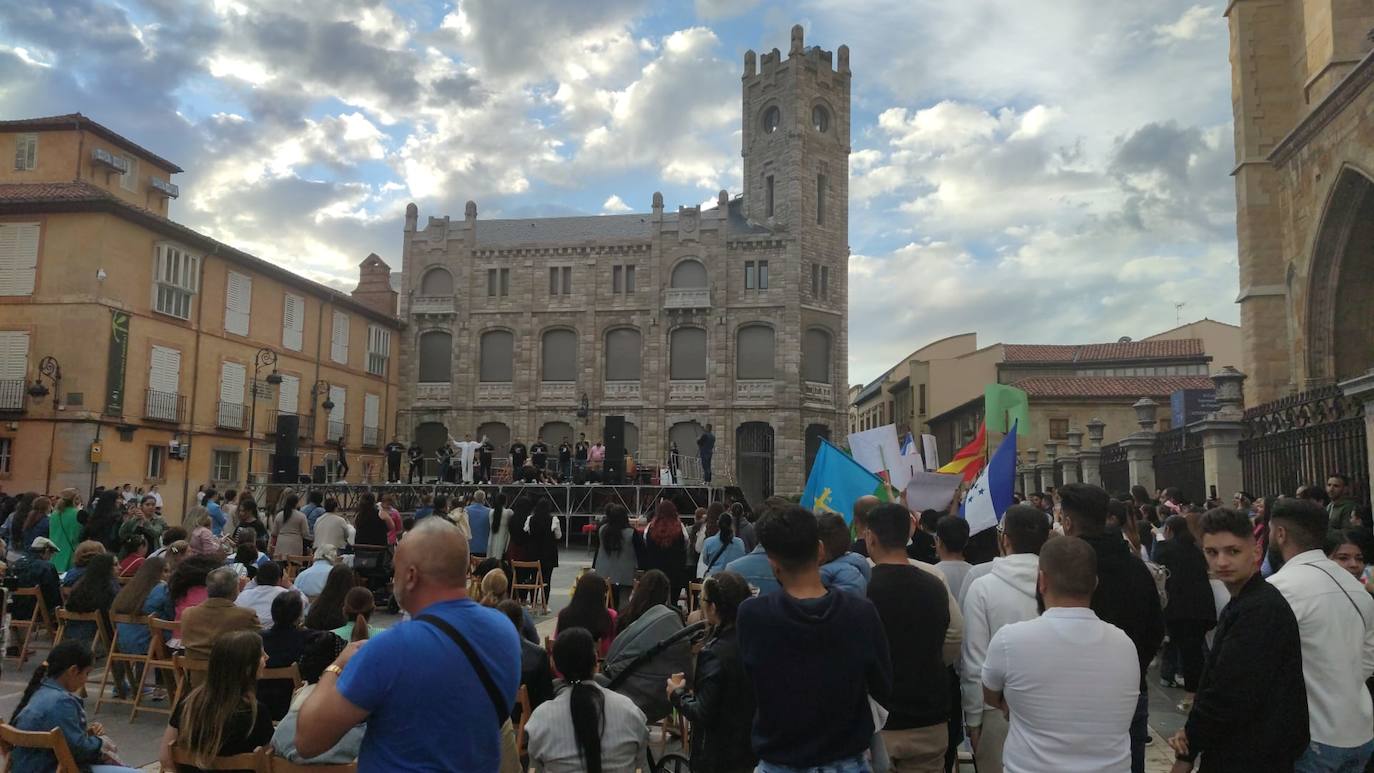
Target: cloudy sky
[1034, 170]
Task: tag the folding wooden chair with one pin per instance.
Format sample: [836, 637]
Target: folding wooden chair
[294, 565]
[269, 762]
[693, 596]
[136, 662]
[292, 672]
[64, 617]
[158, 659]
[185, 667]
[539, 589]
[522, 699]
[52, 740]
[40, 615]
[248, 761]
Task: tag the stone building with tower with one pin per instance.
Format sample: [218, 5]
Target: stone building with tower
[732, 315]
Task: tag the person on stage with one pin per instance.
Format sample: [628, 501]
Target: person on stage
[394, 450]
[539, 454]
[565, 460]
[416, 456]
[445, 458]
[484, 461]
[706, 447]
[467, 453]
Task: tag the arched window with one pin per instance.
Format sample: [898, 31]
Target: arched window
[556, 432]
[688, 273]
[685, 434]
[687, 354]
[631, 439]
[436, 357]
[436, 281]
[497, 433]
[623, 347]
[559, 356]
[816, 355]
[754, 352]
[430, 435]
[498, 354]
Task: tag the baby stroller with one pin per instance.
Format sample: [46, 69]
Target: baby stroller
[642, 658]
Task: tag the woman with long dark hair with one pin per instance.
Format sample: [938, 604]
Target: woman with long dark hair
[721, 548]
[720, 704]
[665, 547]
[50, 701]
[327, 613]
[371, 529]
[500, 527]
[587, 609]
[585, 728]
[654, 589]
[144, 594]
[284, 643]
[544, 535]
[94, 592]
[249, 528]
[518, 544]
[221, 717]
[618, 551]
[187, 584]
[290, 529]
[14, 528]
[35, 522]
[1191, 611]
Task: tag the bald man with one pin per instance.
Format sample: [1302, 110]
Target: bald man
[455, 660]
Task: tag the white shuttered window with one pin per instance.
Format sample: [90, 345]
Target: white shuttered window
[164, 380]
[175, 279]
[372, 409]
[338, 341]
[14, 368]
[232, 414]
[293, 323]
[288, 394]
[378, 349]
[25, 152]
[18, 257]
[238, 299]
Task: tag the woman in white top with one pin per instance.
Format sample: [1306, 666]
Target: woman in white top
[585, 728]
[290, 529]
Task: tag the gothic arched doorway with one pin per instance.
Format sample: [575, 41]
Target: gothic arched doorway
[815, 433]
[1340, 295]
[754, 461]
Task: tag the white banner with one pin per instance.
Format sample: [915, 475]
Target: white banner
[879, 452]
[931, 491]
[932, 454]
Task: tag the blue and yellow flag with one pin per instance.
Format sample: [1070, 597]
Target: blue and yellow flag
[837, 481]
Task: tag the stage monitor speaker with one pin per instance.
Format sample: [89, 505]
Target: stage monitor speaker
[317, 475]
[614, 438]
[285, 463]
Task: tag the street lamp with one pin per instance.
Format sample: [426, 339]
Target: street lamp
[264, 356]
[49, 367]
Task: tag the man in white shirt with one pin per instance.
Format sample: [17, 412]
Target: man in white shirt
[1068, 680]
[1005, 595]
[311, 580]
[1336, 622]
[466, 451]
[265, 588]
[331, 528]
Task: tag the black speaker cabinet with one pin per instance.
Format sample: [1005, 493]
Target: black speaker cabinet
[614, 438]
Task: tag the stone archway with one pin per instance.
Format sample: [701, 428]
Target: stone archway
[1340, 290]
[754, 460]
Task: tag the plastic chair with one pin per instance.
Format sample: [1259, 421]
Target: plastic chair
[269, 762]
[40, 615]
[539, 588]
[64, 617]
[247, 761]
[158, 659]
[52, 740]
[115, 656]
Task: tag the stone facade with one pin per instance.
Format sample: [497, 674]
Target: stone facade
[1304, 138]
[470, 286]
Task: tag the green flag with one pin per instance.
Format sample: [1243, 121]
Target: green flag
[1004, 406]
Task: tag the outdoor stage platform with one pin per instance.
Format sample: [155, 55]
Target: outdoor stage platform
[578, 505]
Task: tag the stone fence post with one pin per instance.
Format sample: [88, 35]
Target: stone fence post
[1071, 459]
[1090, 458]
[1221, 432]
[1046, 468]
[1140, 446]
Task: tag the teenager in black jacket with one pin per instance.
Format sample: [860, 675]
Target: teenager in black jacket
[1126, 595]
[720, 705]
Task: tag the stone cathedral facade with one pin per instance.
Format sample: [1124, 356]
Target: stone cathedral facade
[732, 315]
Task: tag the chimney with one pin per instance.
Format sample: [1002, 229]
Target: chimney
[374, 286]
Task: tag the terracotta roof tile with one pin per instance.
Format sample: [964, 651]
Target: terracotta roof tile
[1125, 350]
[18, 193]
[1111, 386]
[77, 120]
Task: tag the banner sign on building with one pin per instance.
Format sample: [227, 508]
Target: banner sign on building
[1191, 405]
[118, 363]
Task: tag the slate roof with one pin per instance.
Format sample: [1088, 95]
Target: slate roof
[74, 121]
[1168, 349]
[1132, 387]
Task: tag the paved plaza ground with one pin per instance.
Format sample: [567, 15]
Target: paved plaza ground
[139, 740]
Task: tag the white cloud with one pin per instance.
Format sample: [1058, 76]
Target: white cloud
[615, 205]
[1195, 22]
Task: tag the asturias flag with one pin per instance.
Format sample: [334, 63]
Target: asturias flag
[837, 481]
[991, 493]
[969, 460]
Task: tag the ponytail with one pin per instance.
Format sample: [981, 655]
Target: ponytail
[62, 657]
[727, 529]
[360, 630]
[574, 654]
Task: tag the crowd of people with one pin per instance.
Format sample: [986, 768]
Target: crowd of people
[788, 640]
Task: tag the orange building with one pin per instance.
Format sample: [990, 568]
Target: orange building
[136, 350]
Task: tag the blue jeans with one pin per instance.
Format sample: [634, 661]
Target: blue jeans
[856, 764]
[1140, 730]
[1320, 758]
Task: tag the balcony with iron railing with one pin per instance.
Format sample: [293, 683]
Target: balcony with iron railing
[372, 437]
[230, 415]
[305, 424]
[164, 406]
[12, 396]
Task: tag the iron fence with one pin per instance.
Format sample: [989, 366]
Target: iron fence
[1115, 472]
[12, 393]
[1303, 438]
[1178, 463]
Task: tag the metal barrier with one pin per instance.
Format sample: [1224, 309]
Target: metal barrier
[1115, 471]
[1302, 439]
[1178, 463]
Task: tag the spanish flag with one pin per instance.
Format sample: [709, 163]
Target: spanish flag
[970, 458]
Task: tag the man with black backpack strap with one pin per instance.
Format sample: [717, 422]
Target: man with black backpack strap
[456, 663]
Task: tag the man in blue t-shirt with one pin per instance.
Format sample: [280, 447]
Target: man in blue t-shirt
[479, 518]
[425, 705]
